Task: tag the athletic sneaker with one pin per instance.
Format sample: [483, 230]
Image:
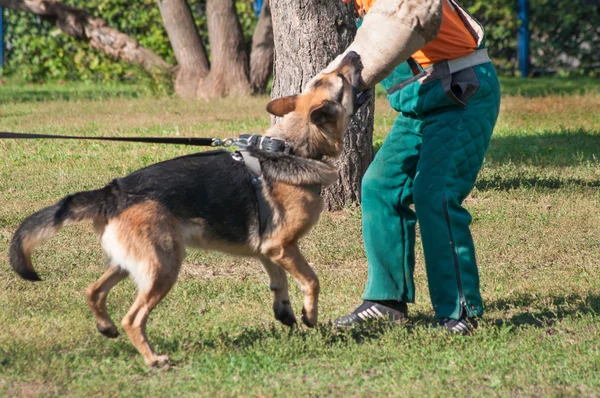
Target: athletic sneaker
[458, 326]
[386, 310]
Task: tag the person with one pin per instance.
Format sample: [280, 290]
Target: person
[430, 56]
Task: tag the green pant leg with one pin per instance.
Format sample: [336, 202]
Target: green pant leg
[454, 144]
[388, 221]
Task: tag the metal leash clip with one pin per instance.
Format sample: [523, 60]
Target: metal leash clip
[244, 140]
[224, 142]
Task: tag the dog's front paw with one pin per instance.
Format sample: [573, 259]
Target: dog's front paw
[109, 331]
[159, 361]
[285, 314]
[308, 319]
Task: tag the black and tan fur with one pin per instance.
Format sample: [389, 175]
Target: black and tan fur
[146, 219]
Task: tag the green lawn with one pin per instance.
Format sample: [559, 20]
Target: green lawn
[536, 222]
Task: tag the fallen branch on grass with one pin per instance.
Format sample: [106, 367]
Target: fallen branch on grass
[78, 23]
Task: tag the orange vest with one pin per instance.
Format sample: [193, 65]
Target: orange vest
[453, 40]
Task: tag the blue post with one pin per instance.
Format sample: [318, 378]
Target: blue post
[524, 38]
[1, 37]
[257, 7]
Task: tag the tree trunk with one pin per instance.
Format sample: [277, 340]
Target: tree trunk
[188, 48]
[261, 55]
[229, 67]
[308, 34]
[76, 22]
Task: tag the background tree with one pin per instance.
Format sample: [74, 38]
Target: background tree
[226, 71]
[261, 55]
[229, 69]
[308, 34]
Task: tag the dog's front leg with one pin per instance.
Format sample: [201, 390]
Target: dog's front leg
[290, 259]
[279, 286]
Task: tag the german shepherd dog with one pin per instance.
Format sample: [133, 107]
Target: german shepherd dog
[206, 200]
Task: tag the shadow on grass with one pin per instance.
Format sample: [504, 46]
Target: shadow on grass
[540, 313]
[508, 156]
[325, 332]
[507, 184]
[548, 148]
[554, 309]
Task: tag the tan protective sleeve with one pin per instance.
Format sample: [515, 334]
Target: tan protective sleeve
[391, 32]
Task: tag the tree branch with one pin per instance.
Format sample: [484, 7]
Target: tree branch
[78, 23]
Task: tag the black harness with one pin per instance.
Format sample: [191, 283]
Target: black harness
[264, 143]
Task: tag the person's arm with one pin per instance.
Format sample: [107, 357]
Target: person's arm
[390, 33]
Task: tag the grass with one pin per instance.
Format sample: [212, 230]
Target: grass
[13, 90]
[535, 220]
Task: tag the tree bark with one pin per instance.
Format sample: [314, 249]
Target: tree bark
[76, 22]
[192, 64]
[229, 67]
[308, 34]
[261, 55]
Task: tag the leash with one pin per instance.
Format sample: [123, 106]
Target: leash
[153, 140]
[269, 144]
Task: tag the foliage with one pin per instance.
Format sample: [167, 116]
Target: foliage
[563, 34]
[39, 51]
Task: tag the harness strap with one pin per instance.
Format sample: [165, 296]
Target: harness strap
[265, 143]
[264, 210]
[443, 69]
[414, 66]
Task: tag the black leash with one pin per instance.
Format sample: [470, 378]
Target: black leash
[153, 140]
[269, 144]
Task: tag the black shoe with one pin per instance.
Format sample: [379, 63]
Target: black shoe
[458, 326]
[385, 310]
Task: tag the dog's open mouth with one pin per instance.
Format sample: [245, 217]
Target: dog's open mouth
[353, 66]
[361, 98]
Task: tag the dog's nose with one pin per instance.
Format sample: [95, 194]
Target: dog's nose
[351, 66]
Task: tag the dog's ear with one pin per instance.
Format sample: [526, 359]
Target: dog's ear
[282, 106]
[323, 113]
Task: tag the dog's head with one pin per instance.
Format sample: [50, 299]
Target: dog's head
[315, 121]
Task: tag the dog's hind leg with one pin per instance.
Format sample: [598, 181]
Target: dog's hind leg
[279, 286]
[134, 322]
[290, 259]
[96, 298]
[145, 240]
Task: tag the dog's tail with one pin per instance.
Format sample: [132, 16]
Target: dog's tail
[44, 224]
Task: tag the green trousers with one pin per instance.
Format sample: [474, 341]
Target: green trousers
[430, 158]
